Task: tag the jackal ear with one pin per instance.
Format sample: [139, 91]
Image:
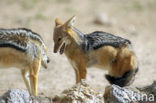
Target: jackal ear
[70, 22]
[57, 22]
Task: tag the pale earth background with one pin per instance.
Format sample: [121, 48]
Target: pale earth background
[132, 19]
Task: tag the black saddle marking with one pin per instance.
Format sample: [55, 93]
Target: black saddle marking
[98, 39]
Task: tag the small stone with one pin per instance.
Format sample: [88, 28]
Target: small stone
[102, 19]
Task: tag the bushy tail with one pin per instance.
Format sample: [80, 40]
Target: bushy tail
[125, 80]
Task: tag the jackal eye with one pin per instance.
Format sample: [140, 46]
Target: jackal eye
[59, 39]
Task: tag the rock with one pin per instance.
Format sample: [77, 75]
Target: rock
[83, 93]
[102, 19]
[80, 93]
[22, 96]
[116, 94]
[16, 96]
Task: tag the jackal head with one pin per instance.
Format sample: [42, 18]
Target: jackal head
[62, 34]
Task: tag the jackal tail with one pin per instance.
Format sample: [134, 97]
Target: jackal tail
[125, 80]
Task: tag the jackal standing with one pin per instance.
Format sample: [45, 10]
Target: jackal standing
[24, 49]
[98, 49]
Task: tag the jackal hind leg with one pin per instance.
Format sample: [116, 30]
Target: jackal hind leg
[25, 75]
[34, 70]
[123, 71]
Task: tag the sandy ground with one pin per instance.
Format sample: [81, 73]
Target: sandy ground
[132, 19]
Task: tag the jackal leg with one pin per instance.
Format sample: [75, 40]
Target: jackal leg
[25, 74]
[82, 73]
[77, 75]
[34, 70]
[123, 70]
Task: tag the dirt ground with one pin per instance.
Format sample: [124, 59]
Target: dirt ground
[132, 19]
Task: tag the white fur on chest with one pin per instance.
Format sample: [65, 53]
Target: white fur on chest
[74, 65]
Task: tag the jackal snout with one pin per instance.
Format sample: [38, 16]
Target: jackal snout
[57, 45]
[44, 58]
[45, 61]
[55, 51]
[60, 47]
[48, 60]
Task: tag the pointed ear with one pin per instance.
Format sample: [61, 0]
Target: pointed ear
[70, 22]
[57, 22]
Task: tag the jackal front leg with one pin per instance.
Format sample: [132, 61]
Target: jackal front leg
[34, 70]
[25, 75]
[77, 75]
[82, 73]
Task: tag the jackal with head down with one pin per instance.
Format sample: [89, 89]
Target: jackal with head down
[97, 49]
[24, 49]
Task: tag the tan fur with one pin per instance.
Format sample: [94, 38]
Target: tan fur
[80, 59]
[125, 61]
[29, 67]
[116, 60]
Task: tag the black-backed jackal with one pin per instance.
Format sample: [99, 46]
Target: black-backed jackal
[24, 49]
[98, 49]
